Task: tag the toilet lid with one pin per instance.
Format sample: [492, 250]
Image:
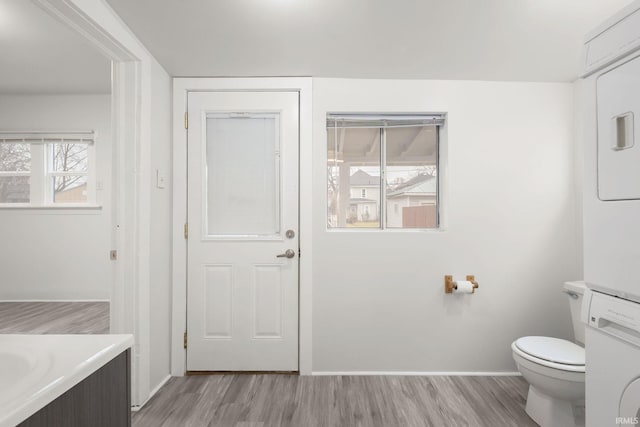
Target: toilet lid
[552, 349]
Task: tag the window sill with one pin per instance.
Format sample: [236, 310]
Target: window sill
[54, 209]
[387, 230]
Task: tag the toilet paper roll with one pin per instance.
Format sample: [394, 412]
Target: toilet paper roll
[464, 287]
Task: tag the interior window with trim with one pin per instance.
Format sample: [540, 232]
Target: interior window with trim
[41, 169]
[382, 171]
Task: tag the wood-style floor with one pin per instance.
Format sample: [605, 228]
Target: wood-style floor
[338, 401]
[290, 400]
[54, 317]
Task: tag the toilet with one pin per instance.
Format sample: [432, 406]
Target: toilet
[555, 370]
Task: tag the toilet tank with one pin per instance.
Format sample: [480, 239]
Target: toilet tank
[574, 292]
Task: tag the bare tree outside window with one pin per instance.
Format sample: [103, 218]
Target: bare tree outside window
[42, 169]
[15, 164]
[15, 157]
[382, 171]
[69, 171]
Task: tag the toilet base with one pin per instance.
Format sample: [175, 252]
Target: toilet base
[550, 412]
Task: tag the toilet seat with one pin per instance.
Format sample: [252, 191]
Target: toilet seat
[551, 352]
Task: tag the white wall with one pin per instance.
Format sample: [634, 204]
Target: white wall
[160, 258]
[140, 301]
[49, 254]
[580, 105]
[510, 214]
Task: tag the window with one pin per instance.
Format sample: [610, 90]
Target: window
[382, 171]
[46, 169]
[15, 173]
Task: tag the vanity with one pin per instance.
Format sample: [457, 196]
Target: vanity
[65, 380]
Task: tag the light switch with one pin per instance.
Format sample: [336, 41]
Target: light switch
[160, 179]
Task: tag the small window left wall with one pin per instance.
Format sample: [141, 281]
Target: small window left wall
[47, 168]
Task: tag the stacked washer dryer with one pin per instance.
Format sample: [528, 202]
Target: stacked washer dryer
[611, 308]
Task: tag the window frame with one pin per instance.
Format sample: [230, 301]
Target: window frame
[41, 173]
[440, 134]
[19, 173]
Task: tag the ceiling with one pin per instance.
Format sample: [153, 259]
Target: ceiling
[521, 40]
[39, 55]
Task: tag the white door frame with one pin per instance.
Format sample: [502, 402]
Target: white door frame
[96, 22]
[181, 88]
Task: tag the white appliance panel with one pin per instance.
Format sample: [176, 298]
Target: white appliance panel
[613, 352]
[611, 228]
[611, 118]
[612, 40]
[618, 99]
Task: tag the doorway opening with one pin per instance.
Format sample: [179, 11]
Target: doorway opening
[93, 182]
[56, 178]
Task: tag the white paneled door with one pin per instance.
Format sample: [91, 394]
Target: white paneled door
[242, 284]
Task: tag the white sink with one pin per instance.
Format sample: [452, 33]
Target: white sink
[15, 365]
[20, 369]
[36, 369]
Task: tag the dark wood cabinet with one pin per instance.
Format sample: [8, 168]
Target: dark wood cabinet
[101, 400]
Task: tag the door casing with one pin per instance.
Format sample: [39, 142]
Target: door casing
[131, 106]
[181, 88]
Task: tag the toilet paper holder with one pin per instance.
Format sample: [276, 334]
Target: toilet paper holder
[450, 284]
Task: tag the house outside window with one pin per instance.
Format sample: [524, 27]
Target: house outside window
[41, 169]
[382, 171]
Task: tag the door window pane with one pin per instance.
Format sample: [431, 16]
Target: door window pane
[243, 174]
[353, 171]
[411, 177]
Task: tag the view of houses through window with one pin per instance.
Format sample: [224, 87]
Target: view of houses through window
[383, 177]
[36, 171]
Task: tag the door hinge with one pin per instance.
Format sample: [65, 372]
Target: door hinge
[113, 255]
[185, 340]
[186, 230]
[186, 120]
[299, 253]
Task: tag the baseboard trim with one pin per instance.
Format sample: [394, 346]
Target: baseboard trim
[55, 300]
[420, 373]
[136, 408]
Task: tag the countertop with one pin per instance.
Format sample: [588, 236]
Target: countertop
[37, 369]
